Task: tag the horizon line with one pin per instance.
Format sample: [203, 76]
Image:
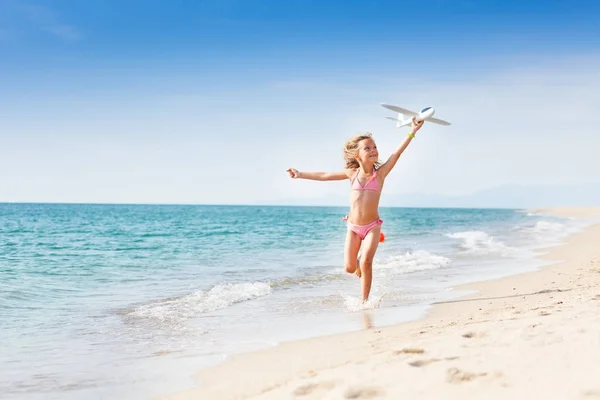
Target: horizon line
[243, 205]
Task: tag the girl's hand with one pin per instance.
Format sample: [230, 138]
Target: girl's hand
[416, 125]
[293, 172]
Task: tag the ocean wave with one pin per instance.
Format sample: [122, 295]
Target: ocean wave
[201, 301]
[544, 227]
[412, 262]
[479, 242]
[315, 279]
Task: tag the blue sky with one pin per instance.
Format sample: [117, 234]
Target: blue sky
[210, 101]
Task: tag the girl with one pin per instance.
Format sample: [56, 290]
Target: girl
[366, 176]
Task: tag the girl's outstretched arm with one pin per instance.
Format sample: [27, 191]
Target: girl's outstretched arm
[387, 167]
[318, 176]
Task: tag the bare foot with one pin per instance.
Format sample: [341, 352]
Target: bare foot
[358, 272]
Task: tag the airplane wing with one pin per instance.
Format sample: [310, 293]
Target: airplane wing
[399, 110]
[437, 121]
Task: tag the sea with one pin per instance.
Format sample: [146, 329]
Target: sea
[130, 301]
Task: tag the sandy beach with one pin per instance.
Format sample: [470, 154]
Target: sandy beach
[533, 335]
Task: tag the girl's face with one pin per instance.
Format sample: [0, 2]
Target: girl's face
[367, 151]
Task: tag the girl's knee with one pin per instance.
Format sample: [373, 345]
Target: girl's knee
[366, 264]
[351, 267]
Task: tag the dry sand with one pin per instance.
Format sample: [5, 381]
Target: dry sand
[529, 336]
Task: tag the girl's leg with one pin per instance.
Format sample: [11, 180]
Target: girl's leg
[351, 251]
[370, 243]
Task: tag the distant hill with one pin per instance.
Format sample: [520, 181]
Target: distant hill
[507, 196]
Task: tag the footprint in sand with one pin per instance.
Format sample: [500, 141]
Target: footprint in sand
[409, 350]
[591, 394]
[312, 388]
[310, 374]
[422, 363]
[362, 393]
[474, 335]
[455, 375]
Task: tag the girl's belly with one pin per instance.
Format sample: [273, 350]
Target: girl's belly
[364, 207]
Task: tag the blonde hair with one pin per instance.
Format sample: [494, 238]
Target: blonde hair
[351, 149]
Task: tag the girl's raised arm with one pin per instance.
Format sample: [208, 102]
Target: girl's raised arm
[319, 176]
[387, 167]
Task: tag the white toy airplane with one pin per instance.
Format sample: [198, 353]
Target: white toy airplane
[425, 115]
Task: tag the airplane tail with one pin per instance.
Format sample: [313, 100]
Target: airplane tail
[400, 121]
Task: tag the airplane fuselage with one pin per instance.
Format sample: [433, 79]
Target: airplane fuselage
[405, 116]
[425, 113]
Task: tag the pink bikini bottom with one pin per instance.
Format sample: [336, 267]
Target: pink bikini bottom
[363, 230]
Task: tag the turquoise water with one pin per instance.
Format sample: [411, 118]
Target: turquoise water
[128, 301]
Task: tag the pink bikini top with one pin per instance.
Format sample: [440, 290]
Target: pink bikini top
[372, 184]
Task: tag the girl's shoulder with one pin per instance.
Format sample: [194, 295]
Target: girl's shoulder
[350, 172]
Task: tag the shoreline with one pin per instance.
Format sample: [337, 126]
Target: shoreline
[454, 349]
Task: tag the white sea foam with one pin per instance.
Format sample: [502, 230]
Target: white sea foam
[535, 214]
[412, 262]
[545, 227]
[479, 242]
[354, 304]
[550, 232]
[201, 301]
